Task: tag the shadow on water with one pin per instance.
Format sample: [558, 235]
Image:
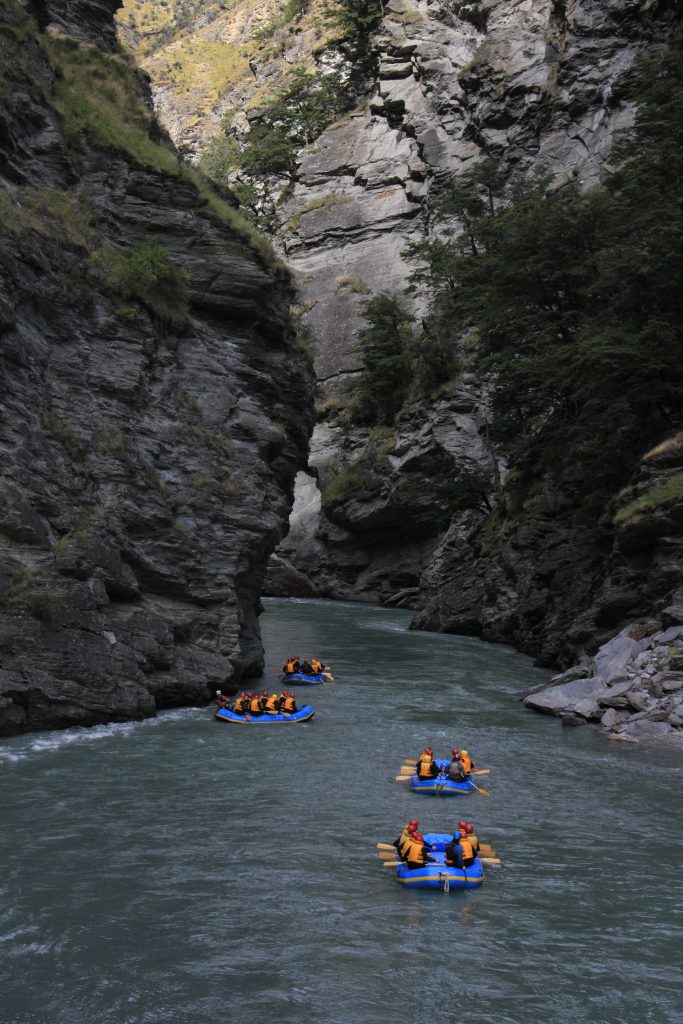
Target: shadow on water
[184, 871]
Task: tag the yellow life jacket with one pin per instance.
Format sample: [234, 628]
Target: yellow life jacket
[239, 705]
[403, 839]
[424, 766]
[272, 702]
[316, 666]
[255, 705]
[466, 847]
[289, 704]
[466, 762]
[289, 667]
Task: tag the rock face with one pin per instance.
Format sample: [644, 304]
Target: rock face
[530, 83]
[147, 462]
[632, 686]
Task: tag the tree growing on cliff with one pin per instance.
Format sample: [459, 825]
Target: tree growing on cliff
[385, 347]
[575, 296]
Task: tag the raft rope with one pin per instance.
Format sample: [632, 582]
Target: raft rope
[445, 884]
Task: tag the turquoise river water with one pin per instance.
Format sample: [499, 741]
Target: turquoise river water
[184, 871]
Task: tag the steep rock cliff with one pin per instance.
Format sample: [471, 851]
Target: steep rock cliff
[148, 455]
[528, 84]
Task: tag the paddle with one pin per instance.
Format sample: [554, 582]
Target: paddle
[386, 846]
[403, 778]
[484, 792]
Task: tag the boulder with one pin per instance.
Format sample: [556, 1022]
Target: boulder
[637, 700]
[612, 718]
[579, 697]
[673, 615]
[644, 728]
[614, 697]
[609, 664]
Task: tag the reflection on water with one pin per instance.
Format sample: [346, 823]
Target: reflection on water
[185, 871]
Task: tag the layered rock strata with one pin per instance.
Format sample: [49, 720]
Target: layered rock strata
[147, 462]
[531, 83]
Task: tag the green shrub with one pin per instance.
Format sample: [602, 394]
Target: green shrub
[343, 486]
[148, 274]
[293, 10]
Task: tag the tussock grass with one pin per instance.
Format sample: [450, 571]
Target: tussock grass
[101, 96]
[671, 446]
[657, 497]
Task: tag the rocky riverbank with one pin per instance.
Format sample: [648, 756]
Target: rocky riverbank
[148, 453]
[632, 687]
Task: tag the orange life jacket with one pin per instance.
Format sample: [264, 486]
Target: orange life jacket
[413, 852]
[466, 762]
[289, 667]
[272, 703]
[289, 704]
[255, 705]
[424, 766]
[239, 705]
[317, 666]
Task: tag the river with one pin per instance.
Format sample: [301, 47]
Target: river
[185, 871]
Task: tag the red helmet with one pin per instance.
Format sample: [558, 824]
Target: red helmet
[414, 823]
[428, 750]
[455, 751]
[462, 824]
[469, 829]
[291, 693]
[265, 693]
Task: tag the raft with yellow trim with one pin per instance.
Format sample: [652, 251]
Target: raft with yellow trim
[441, 786]
[299, 679]
[439, 875]
[304, 714]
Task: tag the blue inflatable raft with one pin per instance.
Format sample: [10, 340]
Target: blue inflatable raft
[440, 875]
[300, 679]
[441, 786]
[304, 714]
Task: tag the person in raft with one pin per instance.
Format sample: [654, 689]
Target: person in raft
[456, 770]
[426, 766]
[405, 834]
[291, 666]
[414, 851]
[241, 704]
[317, 665]
[255, 704]
[221, 701]
[469, 831]
[271, 703]
[460, 852]
[289, 705]
[467, 762]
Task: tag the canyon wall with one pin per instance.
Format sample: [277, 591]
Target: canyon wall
[148, 451]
